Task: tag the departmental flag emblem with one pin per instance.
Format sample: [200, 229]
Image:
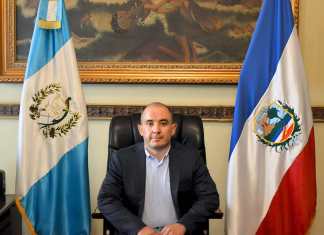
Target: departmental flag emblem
[277, 126]
[52, 111]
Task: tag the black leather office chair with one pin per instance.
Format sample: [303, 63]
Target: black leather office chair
[123, 132]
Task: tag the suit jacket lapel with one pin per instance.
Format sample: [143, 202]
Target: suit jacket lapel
[174, 175]
[140, 154]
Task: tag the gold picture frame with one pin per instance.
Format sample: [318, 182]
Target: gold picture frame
[12, 69]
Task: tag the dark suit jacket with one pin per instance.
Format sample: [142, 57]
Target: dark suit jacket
[122, 194]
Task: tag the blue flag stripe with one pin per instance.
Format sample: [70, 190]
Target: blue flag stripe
[61, 196]
[265, 50]
[45, 43]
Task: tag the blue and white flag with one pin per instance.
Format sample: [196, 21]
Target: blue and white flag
[52, 182]
[271, 185]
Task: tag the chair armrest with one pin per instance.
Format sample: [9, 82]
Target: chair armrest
[96, 215]
[218, 214]
[106, 225]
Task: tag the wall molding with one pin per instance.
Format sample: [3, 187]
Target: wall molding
[208, 113]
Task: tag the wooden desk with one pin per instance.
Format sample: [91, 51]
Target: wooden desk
[10, 220]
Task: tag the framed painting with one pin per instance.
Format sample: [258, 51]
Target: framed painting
[141, 41]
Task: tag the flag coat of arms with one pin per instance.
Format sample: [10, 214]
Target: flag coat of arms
[271, 185]
[52, 184]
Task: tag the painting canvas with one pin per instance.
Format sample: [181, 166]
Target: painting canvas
[203, 31]
[142, 41]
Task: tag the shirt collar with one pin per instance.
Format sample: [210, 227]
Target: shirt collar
[149, 156]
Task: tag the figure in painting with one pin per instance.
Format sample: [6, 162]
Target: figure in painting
[202, 31]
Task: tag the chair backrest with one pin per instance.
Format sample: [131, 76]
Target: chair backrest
[123, 132]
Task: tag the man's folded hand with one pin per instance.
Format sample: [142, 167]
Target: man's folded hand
[147, 231]
[174, 229]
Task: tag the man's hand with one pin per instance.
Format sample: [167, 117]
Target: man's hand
[174, 229]
[147, 231]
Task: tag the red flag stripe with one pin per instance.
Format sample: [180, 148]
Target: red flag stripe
[293, 206]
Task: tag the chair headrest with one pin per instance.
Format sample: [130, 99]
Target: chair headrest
[123, 132]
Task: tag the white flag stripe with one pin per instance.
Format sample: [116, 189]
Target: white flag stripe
[264, 162]
[52, 10]
[49, 154]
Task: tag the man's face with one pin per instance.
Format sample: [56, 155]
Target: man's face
[156, 128]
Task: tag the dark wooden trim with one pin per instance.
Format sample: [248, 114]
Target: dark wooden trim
[9, 110]
[220, 113]
[213, 113]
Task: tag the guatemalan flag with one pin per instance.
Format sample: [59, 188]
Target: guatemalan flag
[271, 186]
[52, 167]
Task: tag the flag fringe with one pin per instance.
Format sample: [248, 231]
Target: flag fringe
[25, 217]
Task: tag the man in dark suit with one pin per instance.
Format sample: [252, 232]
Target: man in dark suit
[159, 186]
